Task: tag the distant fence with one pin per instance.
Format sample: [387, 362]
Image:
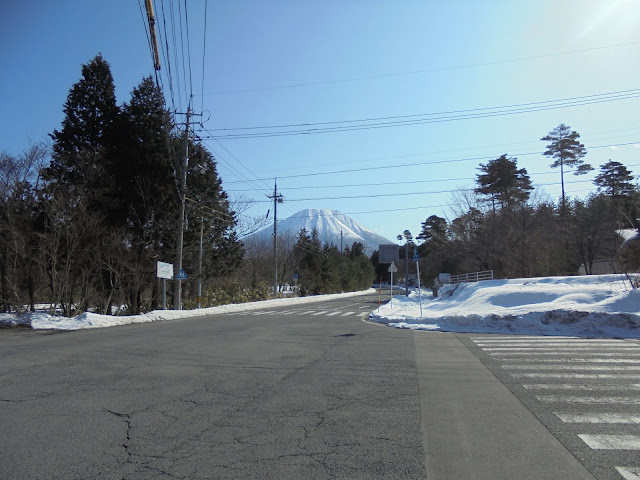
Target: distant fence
[470, 277]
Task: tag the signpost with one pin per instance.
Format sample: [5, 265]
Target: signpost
[416, 258]
[392, 268]
[295, 283]
[165, 272]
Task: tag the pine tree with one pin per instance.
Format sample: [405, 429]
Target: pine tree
[504, 183]
[567, 151]
[614, 180]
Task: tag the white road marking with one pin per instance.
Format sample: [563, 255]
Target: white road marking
[584, 387]
[346, 314]
[626, 418]
[551, 344]
[548, 340]
[307, 312]
[626, 353]
[621, 348]
[629, 473]
[620, 376]
[601, 368]
[611, 442]
[521, 337]
[331, 314]
[323, 312]
[589, 400]
[571, 360]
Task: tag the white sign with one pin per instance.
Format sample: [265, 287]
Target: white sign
[392, 268]
[165, 270]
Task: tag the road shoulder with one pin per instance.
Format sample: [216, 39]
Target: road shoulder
[474, 427]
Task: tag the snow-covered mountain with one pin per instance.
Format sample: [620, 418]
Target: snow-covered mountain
[329, 224]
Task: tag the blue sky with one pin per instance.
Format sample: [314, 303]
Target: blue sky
[305, 62]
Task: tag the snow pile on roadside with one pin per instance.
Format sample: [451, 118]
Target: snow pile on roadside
[594, 305]
[40, 320]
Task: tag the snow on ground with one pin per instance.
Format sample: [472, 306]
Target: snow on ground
[40, 320]
[594, 305]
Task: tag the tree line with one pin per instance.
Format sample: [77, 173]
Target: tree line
[85, 218]
[501, 228]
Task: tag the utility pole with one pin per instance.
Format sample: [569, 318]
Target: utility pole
[177, 267]
[277, 198]
[152, 34]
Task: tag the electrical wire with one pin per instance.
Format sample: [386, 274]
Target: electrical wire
[416, 72]
[430, 162]
[425, 118]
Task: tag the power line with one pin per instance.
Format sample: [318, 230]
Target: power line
[404, 182]
[186, 26]
[431, 162]
[425, 118]
[416, 72]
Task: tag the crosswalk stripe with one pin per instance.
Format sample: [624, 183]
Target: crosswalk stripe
[611, 442]
[554, 344]
[307, 312]
[521, 337]
[597, 368]
[534, 360]
[627, 353]
[320, 313]
[346, 314]
[629, 473]
[584, 387]
[331, 314]
[589, 400]
[621, 376]
[548, 340]
[621, 348]
[626, 418]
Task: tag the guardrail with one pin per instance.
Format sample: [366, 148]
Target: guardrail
[471, 277]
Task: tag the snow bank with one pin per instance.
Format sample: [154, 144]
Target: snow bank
[39, 320]
[594, 305]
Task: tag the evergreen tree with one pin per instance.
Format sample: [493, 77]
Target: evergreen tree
[566, 150]
[614, 180]
[504, 183]
[83, 149]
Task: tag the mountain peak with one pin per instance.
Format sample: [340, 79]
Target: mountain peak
[332, 227]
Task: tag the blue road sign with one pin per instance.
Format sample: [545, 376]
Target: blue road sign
[182, 275]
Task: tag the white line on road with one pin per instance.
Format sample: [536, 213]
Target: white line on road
[307, 312]
[611, 442]
[323, 312]
[629, 473]
[626, 418]
[331, 314]
[571, 360]
[597, 368]
[621, 348]
[620, 376]
[346, 314]
[589, 400]
[627, 353]
[547, 340]
[584, 387]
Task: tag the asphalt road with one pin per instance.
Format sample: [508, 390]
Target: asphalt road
[289, 393]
